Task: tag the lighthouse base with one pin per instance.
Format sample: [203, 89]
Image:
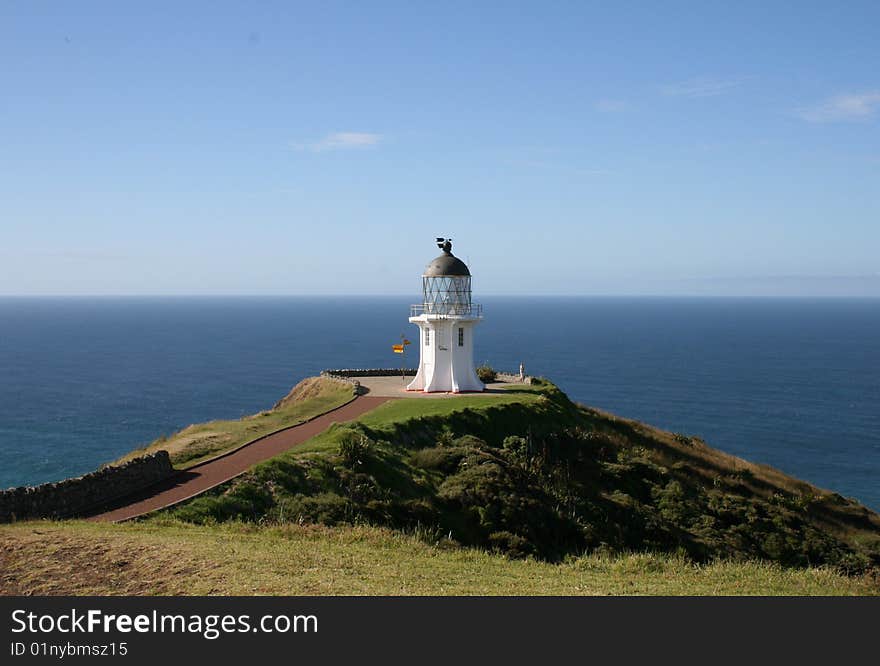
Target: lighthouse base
[446, 362]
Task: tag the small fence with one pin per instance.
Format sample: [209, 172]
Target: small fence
[348, 373]
[447, 309]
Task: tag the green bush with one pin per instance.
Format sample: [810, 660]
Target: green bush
[510, 544]
[355, 450]
[672, 502]
[516, 445]
[324, 508]
[486, 374]
[446, 437]
[443, 459]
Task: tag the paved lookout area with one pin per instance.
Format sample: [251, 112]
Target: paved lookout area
[395, 387]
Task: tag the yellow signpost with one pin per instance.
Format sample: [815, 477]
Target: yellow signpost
[401, 349]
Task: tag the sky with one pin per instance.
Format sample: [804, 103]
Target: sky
[616, 148]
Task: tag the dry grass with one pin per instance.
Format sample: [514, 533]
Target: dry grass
[197, 443]
[150, 558]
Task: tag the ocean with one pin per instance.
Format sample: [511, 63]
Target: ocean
[791, 383]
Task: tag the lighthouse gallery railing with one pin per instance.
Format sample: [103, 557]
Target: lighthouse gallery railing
[447, 309]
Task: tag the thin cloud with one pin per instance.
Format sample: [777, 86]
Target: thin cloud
[340, 141]
[854, 106]
[700, 87]
[611, 105]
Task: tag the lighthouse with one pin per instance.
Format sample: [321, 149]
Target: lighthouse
[446, 318]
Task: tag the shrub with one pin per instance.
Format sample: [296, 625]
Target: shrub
[444, 459]
[446, 437]
[486, 373]
[355, 450]
[515, 446]
[512, 545]
[470, 441]
[671, 502]
[246, 500]
[323, 508]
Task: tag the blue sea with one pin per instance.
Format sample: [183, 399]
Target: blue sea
[791, 383]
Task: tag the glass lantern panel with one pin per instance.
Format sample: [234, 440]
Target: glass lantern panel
[447, 294]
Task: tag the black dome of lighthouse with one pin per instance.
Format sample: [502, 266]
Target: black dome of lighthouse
[447, 264]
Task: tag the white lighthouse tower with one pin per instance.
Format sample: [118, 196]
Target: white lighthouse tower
[446, 318]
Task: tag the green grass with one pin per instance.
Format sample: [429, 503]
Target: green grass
[398, 411]
[243, 559]
[203, 441]
[529, 473]
[407, 412]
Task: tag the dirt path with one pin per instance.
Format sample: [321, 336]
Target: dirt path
[199, 478]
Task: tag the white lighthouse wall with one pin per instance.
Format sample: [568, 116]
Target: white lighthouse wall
[439, 377]
[426, 361]
[445, 366]
[464, 378]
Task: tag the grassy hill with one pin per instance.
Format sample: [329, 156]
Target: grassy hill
[535, 475]
[520, 493]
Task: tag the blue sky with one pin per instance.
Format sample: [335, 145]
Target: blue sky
[567, 148]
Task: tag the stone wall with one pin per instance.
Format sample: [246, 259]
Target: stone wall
[347, 373]
[73, 497]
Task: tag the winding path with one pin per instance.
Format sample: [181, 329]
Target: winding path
[204, 476]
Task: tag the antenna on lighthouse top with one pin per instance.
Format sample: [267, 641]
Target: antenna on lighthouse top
[445, 244]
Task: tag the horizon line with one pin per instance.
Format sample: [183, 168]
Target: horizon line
[489, 295]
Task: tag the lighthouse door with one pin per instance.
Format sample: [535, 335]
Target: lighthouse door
[427, 352]
[443, 366]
